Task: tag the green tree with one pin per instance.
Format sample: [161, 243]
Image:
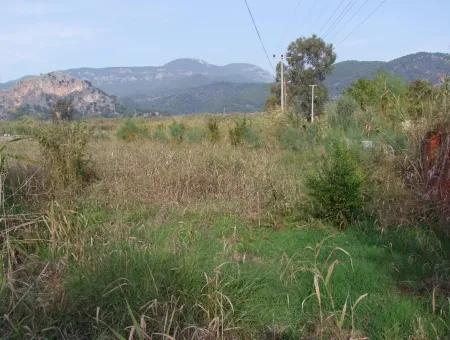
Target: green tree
[379, 92]
[308, 61]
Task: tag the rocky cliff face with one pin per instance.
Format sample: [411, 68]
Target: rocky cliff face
[38, 95]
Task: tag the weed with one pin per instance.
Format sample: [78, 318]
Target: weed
[331, 318]
[242, 132]
[177, 131]
[160, 133]
[213, 130]
[130, 131]
[64, 155]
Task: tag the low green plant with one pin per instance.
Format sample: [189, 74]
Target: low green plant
[213, 130]
[237, 132]
[130, 131]
[177, 131]
[336, 189]
[292, 138]
[160, 133]
[243, 132]
[344, 113]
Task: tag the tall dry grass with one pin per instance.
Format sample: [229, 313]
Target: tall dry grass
[244, 181]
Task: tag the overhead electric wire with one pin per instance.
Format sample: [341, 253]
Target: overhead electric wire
[259, 34]
[331, 16]
[363, 21]
[341, 16]
[355, 13]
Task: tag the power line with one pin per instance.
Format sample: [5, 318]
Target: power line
[341, 16]
[332, 15]
[259, 35]
[355, 13]
[363, 21]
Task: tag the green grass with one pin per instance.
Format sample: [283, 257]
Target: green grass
[264, 273]
[98, 267]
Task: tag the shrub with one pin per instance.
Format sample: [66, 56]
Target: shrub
[213, 130]
[336, 190]
[291, 139]
[130, 131]
[177, 131]
[160, 133]
[63, 149]
[345, 110]
[242, 132]
[237, 132]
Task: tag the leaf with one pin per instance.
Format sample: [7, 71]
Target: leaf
[330, 271]
[340, 322]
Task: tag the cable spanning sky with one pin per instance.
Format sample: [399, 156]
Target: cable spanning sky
[38, 36]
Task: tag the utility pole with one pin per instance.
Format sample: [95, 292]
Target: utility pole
[282, 84]
[312, 102]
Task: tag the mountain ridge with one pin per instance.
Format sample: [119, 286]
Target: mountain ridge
[421, 65]
[192, 85]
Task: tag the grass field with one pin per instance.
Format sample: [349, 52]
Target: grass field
[183, 231]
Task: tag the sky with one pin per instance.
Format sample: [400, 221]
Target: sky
[38, 36]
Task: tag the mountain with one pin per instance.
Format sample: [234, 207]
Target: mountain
[177, 74]
[422, 65]
[212, 98]
[38, 95]
[191, 85]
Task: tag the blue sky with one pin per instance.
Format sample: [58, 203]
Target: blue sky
[38, 36]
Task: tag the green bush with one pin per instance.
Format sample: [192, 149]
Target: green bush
[336, 189]
[160, 133]
[130, 131]
[64, 152]
[344, 115]
[213, 130]
[292, 139]
[242, 132]
[177, 131]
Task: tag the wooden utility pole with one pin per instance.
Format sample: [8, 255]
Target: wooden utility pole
[282, 84]
[312, 102]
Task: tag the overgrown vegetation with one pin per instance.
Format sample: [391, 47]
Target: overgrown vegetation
[279, 229]
[64, 155]
[130, 131]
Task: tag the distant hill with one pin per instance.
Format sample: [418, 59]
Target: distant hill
[422, 65]
[212, 98]
[190, 85]
[38, 95]
[175, 75]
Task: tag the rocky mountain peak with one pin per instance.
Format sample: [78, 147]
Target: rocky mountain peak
[37, 95]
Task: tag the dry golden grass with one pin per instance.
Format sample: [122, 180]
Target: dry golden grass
[238, 180]
[254, 183]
